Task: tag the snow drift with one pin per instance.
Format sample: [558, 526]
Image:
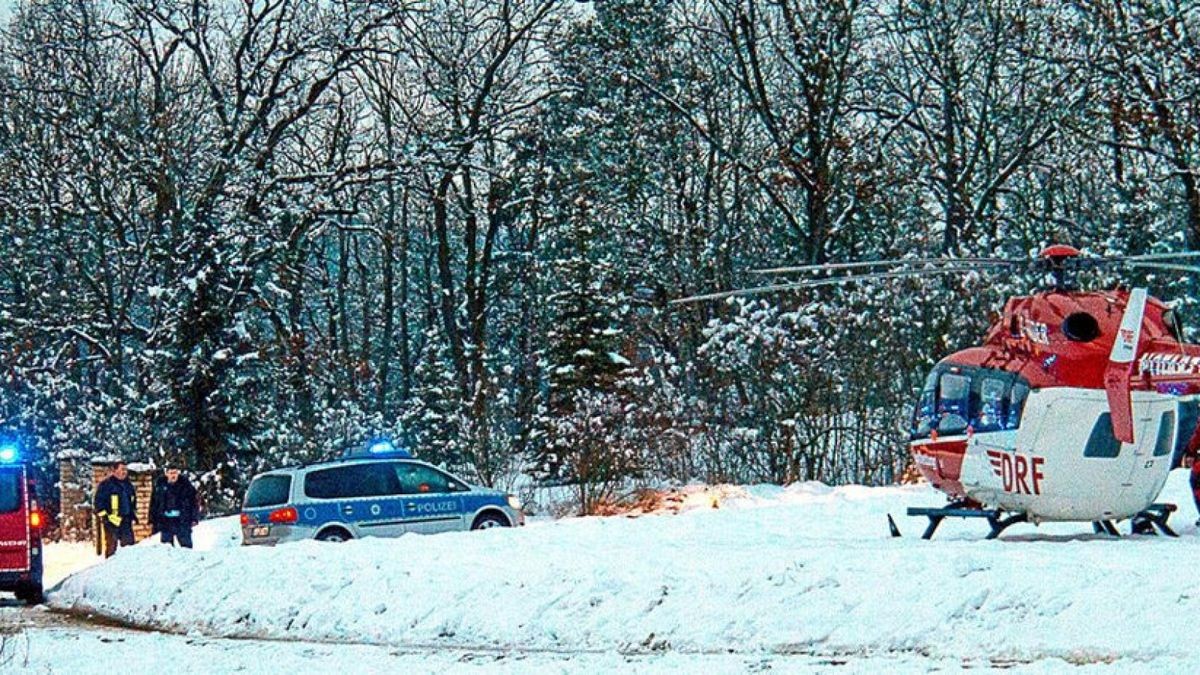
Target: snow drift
[807, 569]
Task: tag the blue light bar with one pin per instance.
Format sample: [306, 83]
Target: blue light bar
[381, 447]
[8, 454]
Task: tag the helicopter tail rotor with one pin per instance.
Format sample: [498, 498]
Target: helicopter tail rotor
[1120, 364]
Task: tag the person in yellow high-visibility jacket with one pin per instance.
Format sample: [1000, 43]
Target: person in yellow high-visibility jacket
[116, 507]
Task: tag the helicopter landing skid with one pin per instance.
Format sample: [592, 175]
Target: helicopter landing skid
[995, 517]
[1155, 516]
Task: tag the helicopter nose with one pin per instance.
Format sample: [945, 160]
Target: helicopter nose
[940, 462]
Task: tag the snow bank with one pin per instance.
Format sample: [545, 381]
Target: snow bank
[806, 569]
[64, 558]
[218, 533]
[224, 532]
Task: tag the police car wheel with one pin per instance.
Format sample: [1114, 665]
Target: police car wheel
[335, 536]
[489, 520]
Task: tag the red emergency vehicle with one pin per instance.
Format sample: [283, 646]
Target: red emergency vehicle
[20, 528]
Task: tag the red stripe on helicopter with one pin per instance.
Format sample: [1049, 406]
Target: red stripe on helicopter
[1019, 474]
[940, 462]
[994, 459]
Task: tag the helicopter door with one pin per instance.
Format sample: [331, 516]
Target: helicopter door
[1156, 431]
[1084, 464]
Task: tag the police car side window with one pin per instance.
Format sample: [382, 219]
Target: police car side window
[355, 480]
[418, 479]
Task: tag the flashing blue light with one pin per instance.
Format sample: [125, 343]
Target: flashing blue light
[8, 453]
[381, 447]
[377, 449]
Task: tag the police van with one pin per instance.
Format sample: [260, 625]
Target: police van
[381, 491]
[20, 529]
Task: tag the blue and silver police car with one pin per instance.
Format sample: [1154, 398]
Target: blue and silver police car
[381, 491]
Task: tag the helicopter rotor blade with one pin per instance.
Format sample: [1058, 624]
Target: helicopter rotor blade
[830, 281]
[982, 261]
[1164, 266]
[1152, 256]
[941, 266]
[1129, 260]
[899, 262]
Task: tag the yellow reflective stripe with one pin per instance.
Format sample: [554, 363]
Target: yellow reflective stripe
[114, 516]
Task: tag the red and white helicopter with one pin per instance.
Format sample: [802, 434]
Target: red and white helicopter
[1075, 408]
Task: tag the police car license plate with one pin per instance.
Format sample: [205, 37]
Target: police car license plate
[260, 531]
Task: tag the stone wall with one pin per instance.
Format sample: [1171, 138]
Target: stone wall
[74, 506]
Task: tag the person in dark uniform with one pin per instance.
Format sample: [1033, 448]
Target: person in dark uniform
[1195, 480]
[173, 508]
[116, 506]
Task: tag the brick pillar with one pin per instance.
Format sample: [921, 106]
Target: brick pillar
[75, 507]
[143, 484]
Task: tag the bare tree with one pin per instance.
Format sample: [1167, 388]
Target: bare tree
[797, 62]
[969, 96]
[1144, 64]
[478, 64]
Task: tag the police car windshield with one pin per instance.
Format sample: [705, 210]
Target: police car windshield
[10, 490]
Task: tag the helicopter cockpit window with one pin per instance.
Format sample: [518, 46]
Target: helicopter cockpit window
[989, 410]
[957, 400]
[954, 397]
[926, 414]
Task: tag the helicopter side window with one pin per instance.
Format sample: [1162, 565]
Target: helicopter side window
[954, 396]
[1102, 444]
[1016, 405]
[1166, 434]
[925, 416]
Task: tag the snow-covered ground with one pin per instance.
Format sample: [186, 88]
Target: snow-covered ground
[75, 650]
[807, 571]
[51, 643]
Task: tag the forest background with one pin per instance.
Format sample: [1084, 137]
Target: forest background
[250, 234]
